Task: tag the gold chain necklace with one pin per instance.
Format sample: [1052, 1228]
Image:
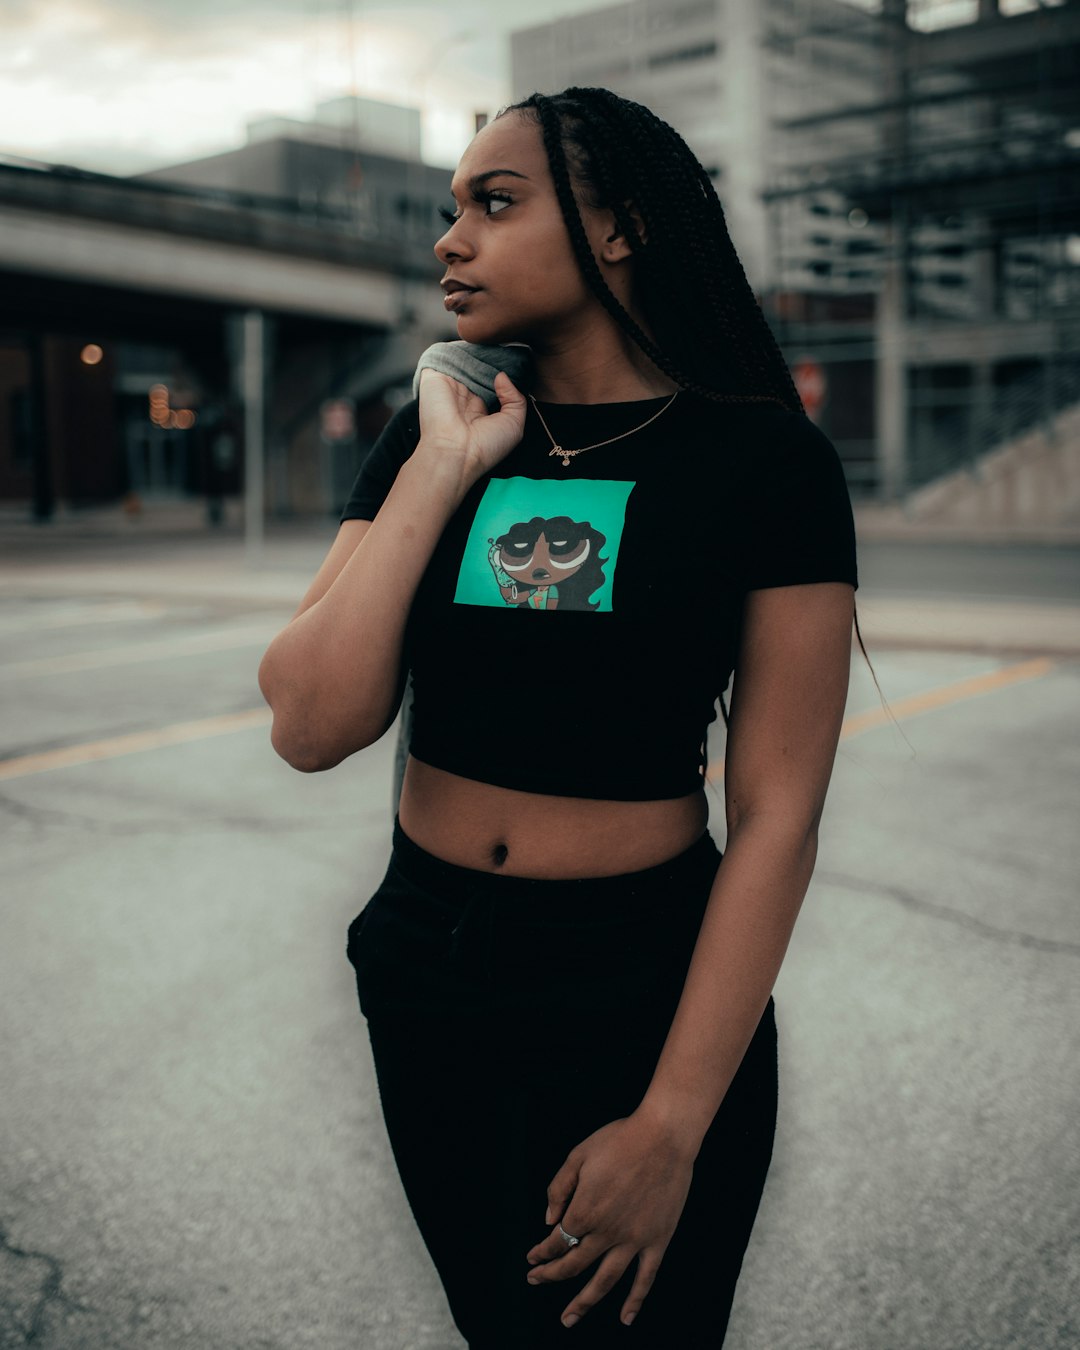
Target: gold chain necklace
[567, 455]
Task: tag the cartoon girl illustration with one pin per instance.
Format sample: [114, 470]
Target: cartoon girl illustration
[549, 564]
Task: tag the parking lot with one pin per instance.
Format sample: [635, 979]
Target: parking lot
[193, 1152]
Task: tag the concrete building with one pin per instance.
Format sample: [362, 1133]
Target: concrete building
[726, 74]
[721, 72]
[244, 322]
[900, 182]
[349, 122]
[970, 204]
[357, 161]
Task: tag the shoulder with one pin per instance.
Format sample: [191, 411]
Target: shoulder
[787, 500]
[758, 419]
[762, 445]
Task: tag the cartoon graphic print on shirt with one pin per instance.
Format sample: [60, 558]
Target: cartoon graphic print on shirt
[548, 563]
[544, 544]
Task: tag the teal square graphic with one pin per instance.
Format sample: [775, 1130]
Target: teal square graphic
[559, 544]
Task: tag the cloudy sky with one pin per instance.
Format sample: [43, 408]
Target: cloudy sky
[125, 85]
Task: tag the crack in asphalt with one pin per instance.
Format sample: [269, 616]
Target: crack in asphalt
[992, 932]
[51, 1290]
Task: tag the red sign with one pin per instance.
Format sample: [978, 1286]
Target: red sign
[337, 419]
[809, 377]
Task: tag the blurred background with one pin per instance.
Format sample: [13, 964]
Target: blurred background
[216, 268]
[216, 275]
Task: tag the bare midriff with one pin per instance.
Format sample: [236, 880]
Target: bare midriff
[528, 834]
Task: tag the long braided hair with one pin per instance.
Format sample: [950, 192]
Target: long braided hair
[711, 336]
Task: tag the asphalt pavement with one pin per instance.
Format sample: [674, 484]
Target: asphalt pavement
[192, 1147]
[934, 592]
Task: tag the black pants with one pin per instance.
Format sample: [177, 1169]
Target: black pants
[509, 1018]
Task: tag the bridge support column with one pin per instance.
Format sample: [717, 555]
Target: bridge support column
[248, 343]
[891, 391]
[44, 482]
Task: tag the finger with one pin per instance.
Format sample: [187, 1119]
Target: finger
[555, 1249]
[567, 1264]
[511, 400]
[461, 394]
[508, 392]
[648, 1264]
[605, 1279]
[562, 1187]
[431, 376]
[555, 1244]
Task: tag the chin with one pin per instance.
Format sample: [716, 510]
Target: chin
[488, 332]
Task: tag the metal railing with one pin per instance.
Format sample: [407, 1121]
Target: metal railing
[1031, 401]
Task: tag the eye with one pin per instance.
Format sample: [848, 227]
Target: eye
[489, 199]
[559, 543]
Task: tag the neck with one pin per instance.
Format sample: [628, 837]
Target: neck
[595, 366]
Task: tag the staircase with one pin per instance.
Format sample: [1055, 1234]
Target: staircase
[1028, 483]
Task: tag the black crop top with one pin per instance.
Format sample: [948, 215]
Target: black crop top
[576, 625]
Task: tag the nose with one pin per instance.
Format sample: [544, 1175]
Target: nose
[453, 244]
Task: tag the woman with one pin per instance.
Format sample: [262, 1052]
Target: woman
[568, 999]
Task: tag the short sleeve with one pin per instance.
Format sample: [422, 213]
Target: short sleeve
[397, 440]
[793, 513]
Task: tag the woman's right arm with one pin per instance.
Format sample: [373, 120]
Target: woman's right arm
[334, 676]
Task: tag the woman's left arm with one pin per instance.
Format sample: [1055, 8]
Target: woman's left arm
[787, 707]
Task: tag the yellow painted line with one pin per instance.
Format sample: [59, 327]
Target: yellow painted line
[948, 693]
[133, 743]
[193, 644]
[930, 699]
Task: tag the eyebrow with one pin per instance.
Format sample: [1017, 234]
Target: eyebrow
[478, 179]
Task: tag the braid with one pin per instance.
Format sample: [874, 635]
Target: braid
[549, 122]
[711, 335]
[705, 318]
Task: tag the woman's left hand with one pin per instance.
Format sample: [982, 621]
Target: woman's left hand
[622, 1191]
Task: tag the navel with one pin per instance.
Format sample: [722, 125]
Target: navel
[499, 854]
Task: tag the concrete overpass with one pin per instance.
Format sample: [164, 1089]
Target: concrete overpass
[232, 249]
[279, 306]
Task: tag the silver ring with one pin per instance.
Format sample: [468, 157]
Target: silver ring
[570, 1241]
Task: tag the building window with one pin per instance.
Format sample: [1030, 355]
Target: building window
[700, 51]
[668, 14]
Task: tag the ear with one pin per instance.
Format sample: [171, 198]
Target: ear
[616, 246]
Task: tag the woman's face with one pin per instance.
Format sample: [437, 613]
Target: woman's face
[510, 244]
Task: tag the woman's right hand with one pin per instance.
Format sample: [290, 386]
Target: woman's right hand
[456, 427]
